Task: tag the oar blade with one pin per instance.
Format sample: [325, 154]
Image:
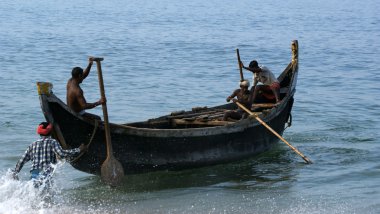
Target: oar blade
[307, 160]
[112, 172]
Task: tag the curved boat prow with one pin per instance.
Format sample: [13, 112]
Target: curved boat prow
[45, 90]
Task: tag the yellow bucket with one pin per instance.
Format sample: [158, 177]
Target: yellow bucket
[44, 88]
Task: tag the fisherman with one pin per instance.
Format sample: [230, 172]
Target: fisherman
[269, 90]
[242, 96]
[75, 98]
[43, 154]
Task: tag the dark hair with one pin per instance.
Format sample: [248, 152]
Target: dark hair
[44, 124]
[76, 72]
[44, 129]
[253, 64]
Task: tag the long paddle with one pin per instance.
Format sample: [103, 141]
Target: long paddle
[240, 68]
[307, 160]
[111, 170]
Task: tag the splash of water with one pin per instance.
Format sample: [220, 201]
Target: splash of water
[20, 196]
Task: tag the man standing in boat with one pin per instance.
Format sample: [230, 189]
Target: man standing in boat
[270, 88]
[243, 96]
[43, 154]
[75, 98]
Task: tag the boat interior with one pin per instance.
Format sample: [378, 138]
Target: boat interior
[200, 117]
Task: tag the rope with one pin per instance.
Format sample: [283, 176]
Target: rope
[89, 143]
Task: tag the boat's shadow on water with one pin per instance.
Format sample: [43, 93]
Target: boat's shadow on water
[275, 169]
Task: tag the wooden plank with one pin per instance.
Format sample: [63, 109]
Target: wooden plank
[194, 114]
[202, 123]
[263, 105]
[212, 116]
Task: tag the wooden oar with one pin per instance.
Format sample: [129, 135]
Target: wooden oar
[240, 68]
[112, 171]
[307, 160]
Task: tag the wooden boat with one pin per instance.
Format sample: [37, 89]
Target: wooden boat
[176, 141]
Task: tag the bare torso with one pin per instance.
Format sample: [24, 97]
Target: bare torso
[74, 97]
[242, 96]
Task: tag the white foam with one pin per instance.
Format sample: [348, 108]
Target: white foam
[20, 196]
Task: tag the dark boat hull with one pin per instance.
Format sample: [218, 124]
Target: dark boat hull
[142, 149]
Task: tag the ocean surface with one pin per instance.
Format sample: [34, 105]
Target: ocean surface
[164, 56]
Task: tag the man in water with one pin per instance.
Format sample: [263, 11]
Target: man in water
[75, 98]
[270, 88]
[43, 154]
[243, 95]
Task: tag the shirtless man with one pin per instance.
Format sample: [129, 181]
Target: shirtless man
[74, 97]
[242, 96]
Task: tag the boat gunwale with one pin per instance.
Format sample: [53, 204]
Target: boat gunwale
[238, 126]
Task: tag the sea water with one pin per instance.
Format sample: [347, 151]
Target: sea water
[164, 56]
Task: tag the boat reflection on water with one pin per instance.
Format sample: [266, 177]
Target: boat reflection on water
[272, 168]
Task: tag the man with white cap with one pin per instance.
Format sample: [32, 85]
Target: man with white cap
[242, 96]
